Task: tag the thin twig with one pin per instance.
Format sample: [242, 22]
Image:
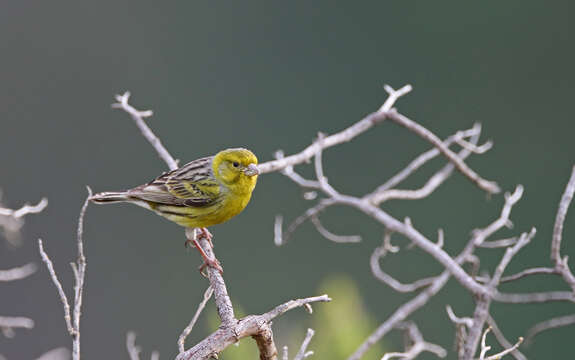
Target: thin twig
[528, 272]
[381, 194]
[303, 353]
[331, 236]
[25, 210]
[501, 243]
[9, 323]
[380, 252]
[138, 117]
[79, 269]
[418, 346]
[55, 354]
[207, 295]
[133, 349]
[425, 157]
[489, 186]
[561, 263]
[343, 136]
[468, 322]
[18, 273]
[58, 285]
[549, 324]
[535, 297]
[502, 340]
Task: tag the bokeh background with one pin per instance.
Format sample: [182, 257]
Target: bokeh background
[267, 76]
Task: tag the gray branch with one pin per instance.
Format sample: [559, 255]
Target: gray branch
[18, 273]
[138, 117]
[561, 263]
[79, 268]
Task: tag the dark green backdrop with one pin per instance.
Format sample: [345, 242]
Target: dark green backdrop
[269, 75]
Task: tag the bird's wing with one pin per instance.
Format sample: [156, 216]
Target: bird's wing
[191, 185]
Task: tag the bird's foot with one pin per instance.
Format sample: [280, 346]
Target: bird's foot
[213, 263]
[206, 234]
[208, 261]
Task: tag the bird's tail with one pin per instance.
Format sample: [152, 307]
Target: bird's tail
[110, 197]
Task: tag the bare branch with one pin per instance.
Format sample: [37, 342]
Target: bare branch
[278, 230]
[425, 157]
[133, 350]
[343, 136]
[58, 284]
[281, 237]
[549, 324]
[489, 186]
[468, 322]
[18, 273]
[524, 239]
[11, 221]
[381, 195]
[9, 323]
[380, 252]
[207, 295]
[419, 344]
[502, 340]
[560, 218]
[484, 347]
[79, 269]
[528, 272]
[251, 325]
[503, 220]
[303, 353]
[502, 243]
[536, 297]
[498, 356]
[501, 354]
[474, 148]
[331, 236]
[25, 210]
[138, 117]
[56, 354]
[561, 263]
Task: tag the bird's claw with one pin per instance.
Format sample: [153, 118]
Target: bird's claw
[213, 263]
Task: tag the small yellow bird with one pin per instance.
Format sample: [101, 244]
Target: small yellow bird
[202, 193]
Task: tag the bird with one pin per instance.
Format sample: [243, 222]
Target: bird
[202, 193]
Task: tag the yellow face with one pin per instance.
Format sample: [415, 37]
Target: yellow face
[237, 169]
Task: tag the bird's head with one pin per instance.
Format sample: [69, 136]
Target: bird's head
[237, 169]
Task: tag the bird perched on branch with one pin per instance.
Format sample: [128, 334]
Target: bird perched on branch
[202, 193]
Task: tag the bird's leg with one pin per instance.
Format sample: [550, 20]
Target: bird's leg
[207, 260]
[192, 240]
[190, 235]
[207, 235]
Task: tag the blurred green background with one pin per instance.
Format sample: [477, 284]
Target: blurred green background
[269, 75]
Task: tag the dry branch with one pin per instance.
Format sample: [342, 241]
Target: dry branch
[9, 323]
[549, 324]
[79, 268]
[18, 273]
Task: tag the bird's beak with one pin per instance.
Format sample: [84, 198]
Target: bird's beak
[251, 170]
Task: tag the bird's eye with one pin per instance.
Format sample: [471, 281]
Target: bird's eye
[236, 164]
